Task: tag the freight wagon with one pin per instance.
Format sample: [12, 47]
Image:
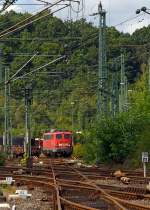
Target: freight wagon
[18, 146]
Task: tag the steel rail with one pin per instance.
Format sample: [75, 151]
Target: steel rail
[83, 185]
[48, 182]
[128, 195]
[133, 205]
[37, 181]
[103, 192]
[118, 200]
[56, 187]
[45, 171]
[78, 206]
[118, 190]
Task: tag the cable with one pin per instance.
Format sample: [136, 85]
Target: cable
[30, 54]
[40, 39]
[24, 20]
[75, 48]
[27, 19]
[31, 22]
[127, 20]
[22, 15]
[45, 2]
[6, 5]
[51, 62]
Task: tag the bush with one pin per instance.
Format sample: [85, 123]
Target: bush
[2, 159]
[114, 139]
[23, 161]
[79, 151]
[91, 151]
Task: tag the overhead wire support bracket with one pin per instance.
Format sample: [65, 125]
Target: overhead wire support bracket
[20, 69]
[45, 2]
[41, 67]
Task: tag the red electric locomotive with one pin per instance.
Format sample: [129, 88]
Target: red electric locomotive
[57, 142]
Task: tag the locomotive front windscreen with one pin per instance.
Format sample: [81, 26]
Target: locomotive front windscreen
[48, 137]
[67, 136]
[58, 136]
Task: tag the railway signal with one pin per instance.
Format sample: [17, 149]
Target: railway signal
[144, 161]
[7, 122]
[28, 102]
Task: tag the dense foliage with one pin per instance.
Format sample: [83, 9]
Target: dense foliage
[65, 93]
[2, 159]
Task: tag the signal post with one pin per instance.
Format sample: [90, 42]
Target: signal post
[28, 102]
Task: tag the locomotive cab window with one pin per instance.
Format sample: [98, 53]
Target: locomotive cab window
[48, 137]
[58, 136]
[67, 136]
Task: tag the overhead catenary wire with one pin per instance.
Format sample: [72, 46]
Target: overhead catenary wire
[27, 4]
[40, 11]
[24, 20]
[30, 72]
[31, 22]
[45, 65]
[52, 61]
[41, 67]
[39, 39]
[37, 11]
[6, 5]
[45, 2]
[12, 28]
[129, 19]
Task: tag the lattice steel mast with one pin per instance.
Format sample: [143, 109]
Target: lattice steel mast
[102, 71]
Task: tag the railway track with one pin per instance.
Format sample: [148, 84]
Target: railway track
[73, 188]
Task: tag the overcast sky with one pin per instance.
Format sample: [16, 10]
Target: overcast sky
[117, 11]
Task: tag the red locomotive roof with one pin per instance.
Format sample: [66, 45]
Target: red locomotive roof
[58, 132]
